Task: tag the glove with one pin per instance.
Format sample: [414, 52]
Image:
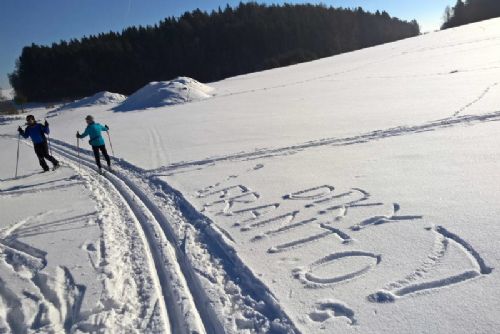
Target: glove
[20, 130]
[106, 127]
[77, 134]
[46, 124]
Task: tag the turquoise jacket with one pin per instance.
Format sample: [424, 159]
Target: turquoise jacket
[94, 130]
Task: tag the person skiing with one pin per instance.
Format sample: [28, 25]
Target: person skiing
[37, 132]
[94, 130]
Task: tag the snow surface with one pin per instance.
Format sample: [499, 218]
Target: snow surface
[67, 262]
[101, 98]
[166, 93]
[353, 194]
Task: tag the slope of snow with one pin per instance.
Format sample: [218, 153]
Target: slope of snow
[166, 93]
[353, 194]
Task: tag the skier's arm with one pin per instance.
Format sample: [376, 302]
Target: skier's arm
[104, 127]
[45, 127]
[85, 133]
[24, 133]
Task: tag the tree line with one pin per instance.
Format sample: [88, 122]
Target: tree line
[206, 46]
[470, 11]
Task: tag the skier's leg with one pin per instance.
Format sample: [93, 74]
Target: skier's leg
[95, 149]
[105, 153]
[40, 153]
[48, 156]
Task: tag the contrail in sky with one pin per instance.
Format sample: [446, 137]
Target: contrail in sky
[128, 9]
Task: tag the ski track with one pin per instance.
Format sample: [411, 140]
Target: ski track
[144, 286]
[184, 294]
[178, 301]
[154, 205]
[128, 181]
[57, 184]
[153, 155]
[426, 75]
[362, 66]
[58, 296]
[312, 79]
[158, 153]
[456, 120]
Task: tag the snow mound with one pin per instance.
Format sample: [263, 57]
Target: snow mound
[101, 98]
[166, 93]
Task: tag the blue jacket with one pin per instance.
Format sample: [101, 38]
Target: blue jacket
[36, 132]
[94, 130]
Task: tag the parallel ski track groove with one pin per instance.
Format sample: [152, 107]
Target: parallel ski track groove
[134, 199]
[222, 250]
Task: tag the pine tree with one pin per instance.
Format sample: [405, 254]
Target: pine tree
[207, 46]
[470, 11]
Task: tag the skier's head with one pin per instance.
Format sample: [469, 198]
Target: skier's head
[30, 119]
[89, 119]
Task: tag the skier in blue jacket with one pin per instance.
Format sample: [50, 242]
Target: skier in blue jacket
[37, 132]
[94, 130]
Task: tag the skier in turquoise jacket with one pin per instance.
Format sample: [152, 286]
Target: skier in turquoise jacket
[94, 130]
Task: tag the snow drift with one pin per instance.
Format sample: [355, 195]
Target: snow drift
[101, 98]
[166, 93]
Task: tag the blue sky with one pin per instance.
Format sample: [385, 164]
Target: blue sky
[23, 22]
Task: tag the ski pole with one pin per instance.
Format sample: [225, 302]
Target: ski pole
[78, 148]
[110, 143]
[17, 158]
[48, 141]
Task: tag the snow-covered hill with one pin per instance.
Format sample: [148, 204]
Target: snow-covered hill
[353, 194]
[166, 93]
[101, 98]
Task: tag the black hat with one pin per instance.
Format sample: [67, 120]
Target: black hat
[30, 117]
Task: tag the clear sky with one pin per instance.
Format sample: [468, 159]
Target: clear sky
[23, 22]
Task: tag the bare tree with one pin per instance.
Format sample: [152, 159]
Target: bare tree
[20, 100]
[6, 106]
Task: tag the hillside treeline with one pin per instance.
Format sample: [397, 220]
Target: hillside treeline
[470, 11]
[205, 46]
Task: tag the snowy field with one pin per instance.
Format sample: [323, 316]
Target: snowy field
[353, 194]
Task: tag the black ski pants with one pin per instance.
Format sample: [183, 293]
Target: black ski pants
[42, 152]
[98, 158]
